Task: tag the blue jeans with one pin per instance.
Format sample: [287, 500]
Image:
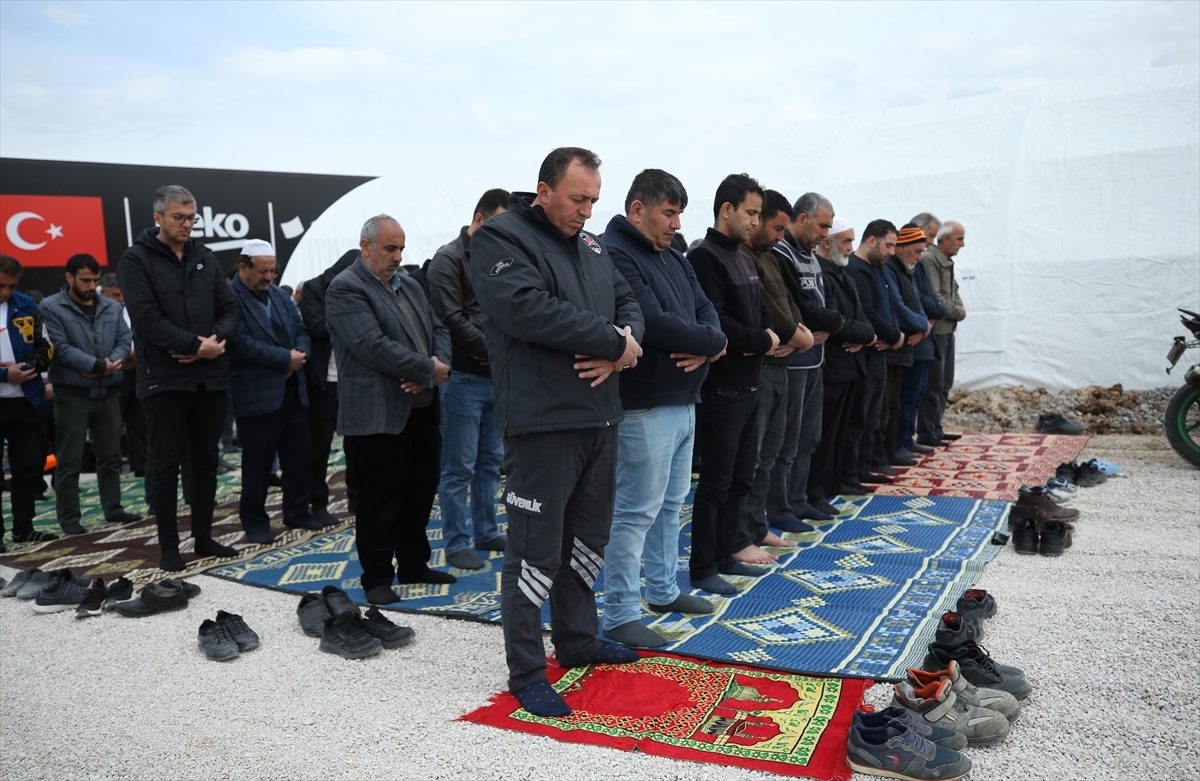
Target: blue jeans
[916, 380]
[471, 453]
[654, 473]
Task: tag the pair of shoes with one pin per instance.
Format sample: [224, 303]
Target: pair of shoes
[895, 750]
[884, 469]
[124, 517]
[1087, 475]
[949, 437]
[1056, 495]
[1052, 539]
[933, 443]
[34, 536]
[333, 616]
[64, 590]
[920, 449]
[1108, 468]
[955, 628]
[902, 458]
[160, 597]
[1055, 423]
[993, 699]
[227, 637]
[876, 479]
[976, 602]
[322, 516]
[938, 705]
[1038, 503]
[20, 580]
[947, 738]
[978, 667]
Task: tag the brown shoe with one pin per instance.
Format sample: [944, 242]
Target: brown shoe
[1047, 509]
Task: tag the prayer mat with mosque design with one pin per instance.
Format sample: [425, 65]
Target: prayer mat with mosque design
[986, 466]
[682, 708]
[860, 596]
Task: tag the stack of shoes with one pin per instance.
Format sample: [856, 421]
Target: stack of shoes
[333, 617]
[1036, 502]
[1055, 423]
[958, 641]
[64, 590]
[227, 637]
[160, 597]
[992, 699]
[894, 749]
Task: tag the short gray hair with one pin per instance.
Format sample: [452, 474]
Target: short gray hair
[810, 204]
[169, 194]
[109, 280]
[947, 228]
[924, 219]
[370, 228]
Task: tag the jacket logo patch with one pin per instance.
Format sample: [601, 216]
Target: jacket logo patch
[25, 326]
[530, 505]
[808, 283]
[592, 244]
[199, 266]
[501, 264]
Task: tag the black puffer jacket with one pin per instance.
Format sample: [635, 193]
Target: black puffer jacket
[172, 303]
[841, 295]
[545, 298]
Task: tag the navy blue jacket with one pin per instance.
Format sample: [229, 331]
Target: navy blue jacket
[258, 361]
[934, 310]
[679, 319]
[873, 292]
[30, 343]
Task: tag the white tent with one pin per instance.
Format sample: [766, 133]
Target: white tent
[1081, 202]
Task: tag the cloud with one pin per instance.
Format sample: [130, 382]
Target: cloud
[65, 16]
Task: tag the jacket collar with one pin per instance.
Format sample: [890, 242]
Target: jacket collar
[721, 240]
[627, 232]
[464, 239]
[523, 204]
[255, 308]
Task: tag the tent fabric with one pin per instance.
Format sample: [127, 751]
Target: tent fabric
[1080, 199]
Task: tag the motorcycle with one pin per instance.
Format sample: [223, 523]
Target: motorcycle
[1182, 420]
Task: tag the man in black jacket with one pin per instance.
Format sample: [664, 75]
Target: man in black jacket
[835, 461]
[182, 314]
[560, 322]
[726, 430]
[321, 375]
[471, 447]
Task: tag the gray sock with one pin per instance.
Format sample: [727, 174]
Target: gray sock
[636, 635]
[685, 603]
[464, 559]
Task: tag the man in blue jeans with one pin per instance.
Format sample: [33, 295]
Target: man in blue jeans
[471, 448]
[659, 396]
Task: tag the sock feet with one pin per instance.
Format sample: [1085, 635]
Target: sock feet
[171, 561]
[207, 546]
[540, 699]
[685, 603]
[715, 584]
[635, 634]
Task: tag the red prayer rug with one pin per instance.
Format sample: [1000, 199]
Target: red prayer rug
[986, 466]
[684, 708]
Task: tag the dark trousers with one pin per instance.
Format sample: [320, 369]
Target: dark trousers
[21, 429]
[864, 426]
[399, 474]
[788, 491]
[770, 427]
[726, 434]
[322, 423]
[885, 436]
[134, 418]
[179, 420]
[835, 462]
[911, 393]
[74, 415]
[284, 431]
[558, 497]
[941, 380]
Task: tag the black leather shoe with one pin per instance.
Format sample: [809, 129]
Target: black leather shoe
[899, 460]
[884, 469]
[877, 479]
[858, 489]
[322, 516]
[922, 450]
[949, 437]
[934, 443]
[155, 598]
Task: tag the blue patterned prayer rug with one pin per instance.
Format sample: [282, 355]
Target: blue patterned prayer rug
[861, 596]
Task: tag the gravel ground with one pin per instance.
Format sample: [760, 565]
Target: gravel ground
[1107, 634]
[1111, 410]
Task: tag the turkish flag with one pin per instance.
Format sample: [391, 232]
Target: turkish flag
[45, 230]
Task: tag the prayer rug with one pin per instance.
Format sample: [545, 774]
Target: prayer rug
[860, 596]
[131, 550]
[687, 709]
[986, 466]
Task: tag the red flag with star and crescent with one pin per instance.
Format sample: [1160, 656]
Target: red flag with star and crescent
[45, 230]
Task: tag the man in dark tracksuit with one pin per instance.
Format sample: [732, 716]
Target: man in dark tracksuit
[560, 321]
[182, 314]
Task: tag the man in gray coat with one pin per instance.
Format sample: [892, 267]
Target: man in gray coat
[91, 343]
[392, 353]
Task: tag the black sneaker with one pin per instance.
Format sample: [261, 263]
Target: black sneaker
[976, 602]
[1056, 537]
[345, 635]
[312, 612]
[65, 591]
[245, 637]
[392, 636]
[120, 591]
[216, 641]
[955, 629]
[1025, 535]
[978, 668]
[155, 598]
[1088, 475]
[93, 600]
[34, 536]
[1066, 471]
[339, 602]
[1055, 423]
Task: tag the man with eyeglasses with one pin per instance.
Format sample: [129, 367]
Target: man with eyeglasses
[182, 313]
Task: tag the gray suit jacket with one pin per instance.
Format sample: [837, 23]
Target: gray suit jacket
[375, 352]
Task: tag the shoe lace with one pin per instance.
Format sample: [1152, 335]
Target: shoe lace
[235, 624]
[984, 659]
[917, 744]
[375, 617]
[221, 633]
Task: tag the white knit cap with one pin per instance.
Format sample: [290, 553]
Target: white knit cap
[257, 248]
[840, 225]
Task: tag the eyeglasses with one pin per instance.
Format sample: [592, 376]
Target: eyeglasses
[182, 218]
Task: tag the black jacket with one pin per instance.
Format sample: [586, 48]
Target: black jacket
[730, 280]
[172, 304]
[841, 295]
[312, 310]
[872, 293]
[455, 304]
[912, 301]
[545, 298]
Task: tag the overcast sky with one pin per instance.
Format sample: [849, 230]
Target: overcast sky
[431, 90]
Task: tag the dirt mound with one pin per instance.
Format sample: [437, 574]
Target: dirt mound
[1101, 410]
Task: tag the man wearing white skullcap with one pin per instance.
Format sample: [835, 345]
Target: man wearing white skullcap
[268, 394]
[838, 245]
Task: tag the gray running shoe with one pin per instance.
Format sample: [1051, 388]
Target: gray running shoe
[245, 637]
[946, 738]
[901, 753]
[938, 706]
[993, 699]
[33, 585]
[64, 591]
[20, 579]
[216, 641]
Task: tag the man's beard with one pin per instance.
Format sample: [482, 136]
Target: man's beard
[836, 256]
